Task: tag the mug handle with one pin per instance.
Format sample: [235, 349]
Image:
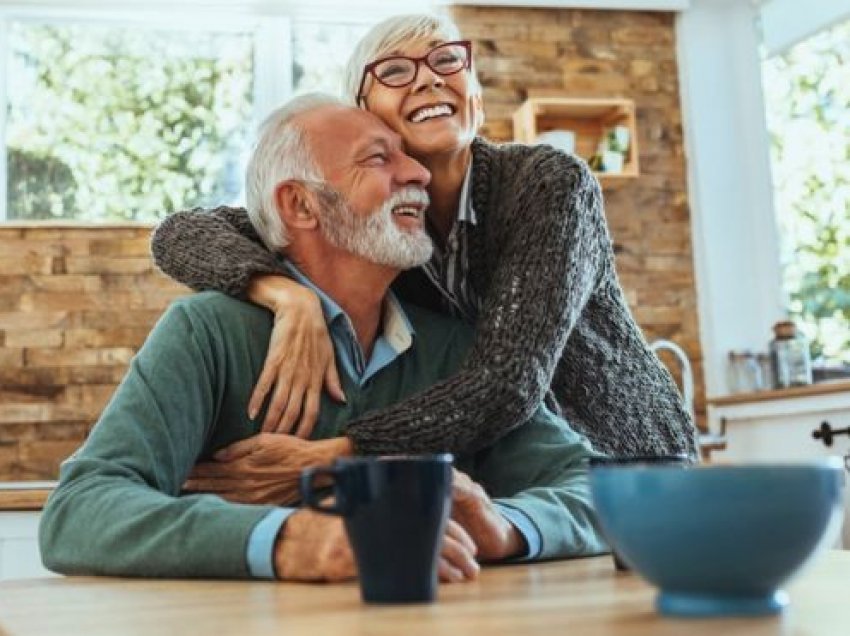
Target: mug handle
[311, 497]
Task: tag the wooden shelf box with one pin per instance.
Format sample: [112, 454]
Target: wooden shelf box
[588, 118]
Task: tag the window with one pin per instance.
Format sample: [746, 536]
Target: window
[109, 122]
[807, 95]
[320, 50]
[112, 117]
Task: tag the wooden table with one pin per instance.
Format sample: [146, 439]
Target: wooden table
[572, 598]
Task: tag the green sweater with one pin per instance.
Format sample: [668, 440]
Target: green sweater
[118, 509]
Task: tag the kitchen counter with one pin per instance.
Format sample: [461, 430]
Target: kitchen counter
[785, 426]
[24, 495]
[584, 597]
[828, 387]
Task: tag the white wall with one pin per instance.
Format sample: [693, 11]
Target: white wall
[786, 22]
[733, 223]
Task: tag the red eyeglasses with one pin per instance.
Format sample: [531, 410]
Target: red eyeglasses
[397, 71]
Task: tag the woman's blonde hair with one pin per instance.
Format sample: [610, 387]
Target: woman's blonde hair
[392, 34]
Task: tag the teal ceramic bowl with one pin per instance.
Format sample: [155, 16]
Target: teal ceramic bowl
[719, 540]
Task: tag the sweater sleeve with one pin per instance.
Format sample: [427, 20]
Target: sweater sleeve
[117, 509]
[214, 249]
[541, 469]
[556, 251]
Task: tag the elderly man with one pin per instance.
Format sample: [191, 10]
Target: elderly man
[330, 188]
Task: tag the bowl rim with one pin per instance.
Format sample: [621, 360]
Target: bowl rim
[830, 464]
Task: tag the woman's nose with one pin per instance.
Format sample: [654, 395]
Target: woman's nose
[426, 79]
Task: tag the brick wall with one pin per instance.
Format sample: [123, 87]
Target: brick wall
[75, 303]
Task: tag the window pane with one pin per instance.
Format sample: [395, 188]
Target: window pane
[807, 92]
[116, 123]
[321, 50]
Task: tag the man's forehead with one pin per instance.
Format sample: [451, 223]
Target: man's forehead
[354, 127]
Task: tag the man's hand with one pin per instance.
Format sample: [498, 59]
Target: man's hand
[314, 547]
[457, 556]
[264, 469]
[495, 537]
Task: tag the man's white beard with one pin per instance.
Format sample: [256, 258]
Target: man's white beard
[375, 237]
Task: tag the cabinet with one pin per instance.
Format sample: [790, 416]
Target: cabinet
[588, 119]
[779, 426]
[19, 554]
[20, 511]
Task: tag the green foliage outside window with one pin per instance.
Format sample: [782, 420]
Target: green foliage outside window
[117, 124]
[807, 91]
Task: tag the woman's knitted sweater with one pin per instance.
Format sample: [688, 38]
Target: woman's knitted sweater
[553, 321]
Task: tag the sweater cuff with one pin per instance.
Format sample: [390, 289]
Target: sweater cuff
[260, 556]
[525, 526]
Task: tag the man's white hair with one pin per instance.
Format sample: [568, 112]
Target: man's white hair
[281, 154]
[396, 33]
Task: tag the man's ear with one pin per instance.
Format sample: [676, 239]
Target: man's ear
[296, 205]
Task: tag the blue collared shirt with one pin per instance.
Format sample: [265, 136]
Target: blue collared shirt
[396, 337]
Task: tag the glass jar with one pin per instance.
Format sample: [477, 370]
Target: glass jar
[789, 351]
[766, 365]
[744, 372]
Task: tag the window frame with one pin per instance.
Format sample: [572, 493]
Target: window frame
[272, 50]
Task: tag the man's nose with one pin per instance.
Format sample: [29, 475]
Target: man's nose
[411, 172]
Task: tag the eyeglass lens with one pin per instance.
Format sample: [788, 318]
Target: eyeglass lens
[400, 71]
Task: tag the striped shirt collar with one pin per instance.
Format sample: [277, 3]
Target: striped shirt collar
[448, 269]
[465, 211]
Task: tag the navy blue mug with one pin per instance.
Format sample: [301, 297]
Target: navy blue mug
[395, 511]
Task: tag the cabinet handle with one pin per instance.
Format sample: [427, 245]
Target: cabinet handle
[826, 433]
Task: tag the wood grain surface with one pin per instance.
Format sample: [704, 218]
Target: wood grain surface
[584, 597]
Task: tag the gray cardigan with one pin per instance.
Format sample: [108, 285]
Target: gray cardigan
[553, 324]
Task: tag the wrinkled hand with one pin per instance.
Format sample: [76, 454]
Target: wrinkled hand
[314, 547]
[300, 359]
[457, 556]
[263, 469]
[495, 537]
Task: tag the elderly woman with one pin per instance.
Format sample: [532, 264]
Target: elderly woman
[522, 251]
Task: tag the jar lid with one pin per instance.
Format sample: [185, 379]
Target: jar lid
[785, 329]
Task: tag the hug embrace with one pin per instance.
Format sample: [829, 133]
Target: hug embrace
[396, 285]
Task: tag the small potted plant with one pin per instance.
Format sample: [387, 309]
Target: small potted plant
[613, 149]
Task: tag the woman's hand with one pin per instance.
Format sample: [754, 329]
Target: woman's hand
[263, 469]
[300, 358]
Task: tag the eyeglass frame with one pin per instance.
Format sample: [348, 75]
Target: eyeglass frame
[370, 67]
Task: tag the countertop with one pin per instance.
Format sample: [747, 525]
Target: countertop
[583, 597]
[24, 495]
[826, 387]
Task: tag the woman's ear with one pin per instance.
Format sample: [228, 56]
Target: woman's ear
[296, 205]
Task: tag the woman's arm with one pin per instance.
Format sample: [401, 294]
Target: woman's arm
[212, 249]
[555, 253]
[219, 249]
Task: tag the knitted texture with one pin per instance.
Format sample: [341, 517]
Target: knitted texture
[554, 323]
